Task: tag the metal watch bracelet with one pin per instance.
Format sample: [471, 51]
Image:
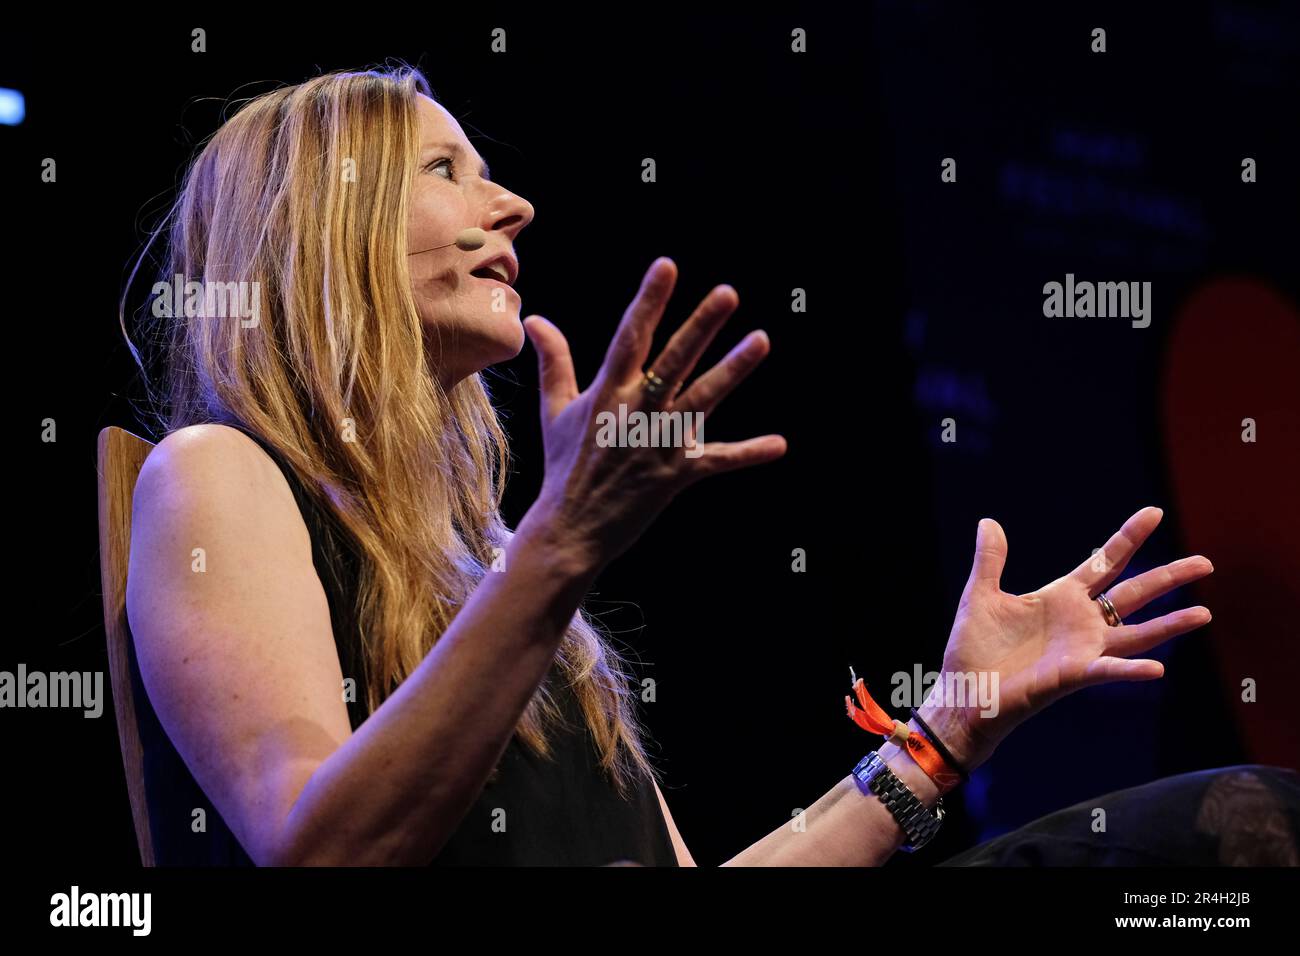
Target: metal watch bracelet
[919, 823]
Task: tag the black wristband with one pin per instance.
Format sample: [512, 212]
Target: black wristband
[938, 745]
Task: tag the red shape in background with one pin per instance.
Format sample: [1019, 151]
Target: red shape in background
[1235, 354]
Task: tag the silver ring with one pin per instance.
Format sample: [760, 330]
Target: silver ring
[1108, 611]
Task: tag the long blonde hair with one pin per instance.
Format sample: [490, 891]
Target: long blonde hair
[305, 191]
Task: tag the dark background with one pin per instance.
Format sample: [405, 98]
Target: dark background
[776, 171]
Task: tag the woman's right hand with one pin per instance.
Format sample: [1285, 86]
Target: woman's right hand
[600, 499]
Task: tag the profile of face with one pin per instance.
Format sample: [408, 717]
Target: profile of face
[470, 321]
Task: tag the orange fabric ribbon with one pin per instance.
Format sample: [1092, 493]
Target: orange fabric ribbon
[873, 719]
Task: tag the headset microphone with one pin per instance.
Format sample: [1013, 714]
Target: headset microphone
[466, 241]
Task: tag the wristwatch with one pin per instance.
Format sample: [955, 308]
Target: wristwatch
[920, 824]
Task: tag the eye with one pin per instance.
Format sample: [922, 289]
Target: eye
[448, 161]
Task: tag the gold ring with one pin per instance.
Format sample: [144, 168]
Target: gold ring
[652, 383]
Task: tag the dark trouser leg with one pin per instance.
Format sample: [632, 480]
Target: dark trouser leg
[1247, 815]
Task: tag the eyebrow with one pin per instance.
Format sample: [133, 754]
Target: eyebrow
[483, 170]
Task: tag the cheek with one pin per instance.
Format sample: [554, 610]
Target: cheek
[432, 219]
[430, 267]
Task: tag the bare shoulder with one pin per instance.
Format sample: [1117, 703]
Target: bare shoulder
[210, 473]
[212, 440]
[213, 515]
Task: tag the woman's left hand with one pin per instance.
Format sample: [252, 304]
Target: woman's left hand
[1055, 640]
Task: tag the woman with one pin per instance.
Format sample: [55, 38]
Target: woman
[348, 658]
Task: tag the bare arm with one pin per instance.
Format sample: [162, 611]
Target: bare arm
[240, 663]
[436, 739]
[845, 827]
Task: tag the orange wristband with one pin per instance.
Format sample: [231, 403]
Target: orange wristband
[873, 719]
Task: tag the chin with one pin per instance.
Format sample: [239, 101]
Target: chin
[517, 338]
[479, 344]
[503, 341]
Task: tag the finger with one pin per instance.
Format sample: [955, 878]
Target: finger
[1107, 564]
[718, 382]
[718, 456]
[555, 373]
[627, 352]
[990, 557]
[1105, 670]
[688, 343]
[1128, 639]
[1135, 593]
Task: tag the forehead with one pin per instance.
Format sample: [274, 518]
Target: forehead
[436, 123]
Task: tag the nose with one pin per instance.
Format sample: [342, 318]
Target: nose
[507, 212]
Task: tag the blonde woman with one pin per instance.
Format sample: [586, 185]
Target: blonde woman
[344, 654]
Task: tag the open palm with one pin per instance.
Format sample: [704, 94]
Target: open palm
[1053, 641]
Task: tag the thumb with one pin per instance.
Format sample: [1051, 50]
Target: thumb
[554, 365]
[990, 556]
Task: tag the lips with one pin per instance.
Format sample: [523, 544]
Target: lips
[501, 268]
[496, 282]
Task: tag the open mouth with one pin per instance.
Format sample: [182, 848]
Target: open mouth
[496, 273]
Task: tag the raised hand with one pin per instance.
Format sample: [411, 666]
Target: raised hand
[1055, 640]
[605, 497]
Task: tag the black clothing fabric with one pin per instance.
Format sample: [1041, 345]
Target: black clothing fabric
[1245, 815]
[556, 811]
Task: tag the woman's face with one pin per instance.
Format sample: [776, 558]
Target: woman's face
[470, 322]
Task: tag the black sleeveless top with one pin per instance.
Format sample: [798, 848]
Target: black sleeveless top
[560, 811]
